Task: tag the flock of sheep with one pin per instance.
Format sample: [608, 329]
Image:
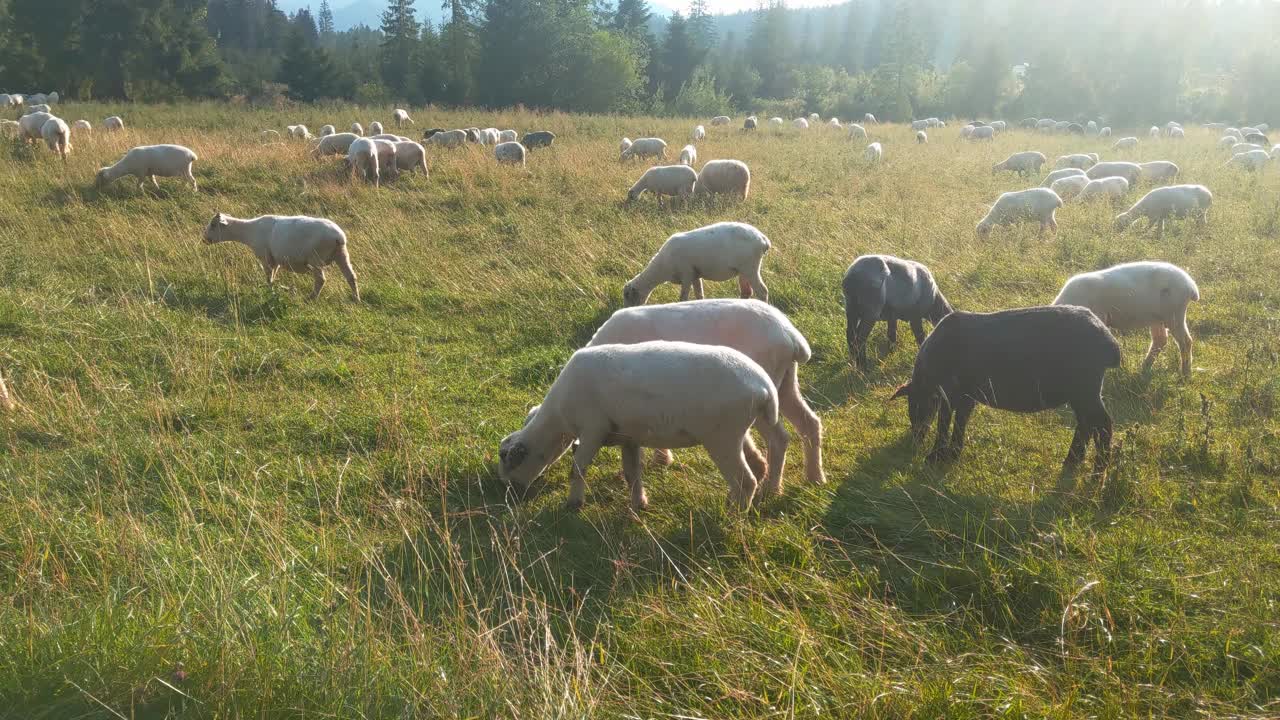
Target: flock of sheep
[706, 372]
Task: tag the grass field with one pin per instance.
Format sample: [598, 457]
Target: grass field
[222, 501]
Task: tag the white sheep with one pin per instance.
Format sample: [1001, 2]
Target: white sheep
[646, 147]
[296, 243]
[1262, 127]
[1046, 124]
[1154, 132]
[1034, 204]
[999, 125]
[752, 327]
[873, 153]
[724, 177]
[1125, 143]
[921, 137]
[689, 155]
[401, 117]
[720, 120]
[1115, 168]
[1056, 175]
[869, 119]
[919, 124]
[6, 100]
[375, 128]
[834, 123]
[814, 118]
[986, 132]
[509, 153]
[699, 133]
[675, 181]
[389, 137]
[38, 107]
[362, 156]
[626, 143]
[717, 252]
[490, 136]
[1171, 201]
[651, 394]
[1104, 132]
[1091, 128]
[777, 121]
[1069, 186]
[449, 138]
[1241, 147]
[966, 132]
[148, 162]
[1137, 295]
[327, 130]
[508, 136]
[1078, 160]
[857, 132]
[1103, 187]
[1227, 141]
[300, 132]
[335, 144]
[1023, 163]
[1159, 170]
[32, 125]
[357, 129]
[411, 156]
[57, 136]
[1250, 160]
[1176, 133]
[800, 123]
[1235, 132]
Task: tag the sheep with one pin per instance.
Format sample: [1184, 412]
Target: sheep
[375, 128]
[38, 107]
[37, 99]
[1234, 132]
[814, 118]
[873, 153]
[1255, 137]
[719, 120]
[1176, 133]
[149, 161]
[645, 147]
[1245, 147]
[1159, 170]
[1251, 160]
[1137, 295]
[1023, 163]
[699, 133]
[411, 156]
[626, 143]
[1166, 202]
[776, 121]
[717, 252]
[1104, 132]
[541, 138]
[1091, 128]
[857, 132]
[919, 124]
[1028, 123]
[32, 125]
[1046, 124]
[1275, 151]
[986, 132]
[473, 134]
[490, 136]
[335, 144]
[57, 136]
[327, 130]
[509, 153]
[1062, 126]
[800, 124]
[1262, 127]
[966, 132]
[508, 136]
[1103, 187]
[1037, 204]
[1228, 141]
[449, 138]
[356, 129]
[1154, 132]
[1024, 360]
[296, 243]
[652, 394]
[1127, 170]
[870, 119]
[300, 132]
[877, 287]
[724, 177]
[1125, 143]
[999, 125]
[921, 137]
[689, 155]
[754, 328]
[750, 123]
[1069, 186]
[389, 137]
[363, 157]
[1078, 160]
[676, 181]
[401, 117]
[834, 123]
[428, 134]
[268, 137]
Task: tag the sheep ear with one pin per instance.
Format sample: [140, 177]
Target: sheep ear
[220, 219]
[902, 391]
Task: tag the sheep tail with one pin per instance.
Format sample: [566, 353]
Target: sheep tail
[801, 350]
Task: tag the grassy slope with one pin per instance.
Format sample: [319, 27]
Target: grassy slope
[298, 502]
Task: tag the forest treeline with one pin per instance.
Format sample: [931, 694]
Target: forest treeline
[1128, 61]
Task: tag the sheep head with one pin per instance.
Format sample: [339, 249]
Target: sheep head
[526, 453]
[214, 231]
[922, 405]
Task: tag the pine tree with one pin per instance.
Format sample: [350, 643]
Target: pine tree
[399, 46]
[679, 55]
[326, 19]
[769, 45]
[702, 26]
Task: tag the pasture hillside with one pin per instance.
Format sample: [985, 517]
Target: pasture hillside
[221, 501]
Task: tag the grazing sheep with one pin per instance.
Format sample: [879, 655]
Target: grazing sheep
[1251, 160]
[1159, 170]
[1241, 147]
[986, 132]
[327, 130]
[38, 107]
[750, 123]
[362, 156]
[335, 144]
[1078, 160]
[1091, 128]
[300, 132]
[857, 132]
[411, 156]
[268, 137]
[815, 118]
[32, 125]
[449, 138]
[966, 132]
[401, 117]
[1257, 137]
[752, 327]
[298, 244]
[1176, 133]
[389, 137]
[57, 136]
[1234, 132]
[508, 136]
[884, 287]
[1069, 186]
[724, 177]
[1112, 186]
[1165, 202]
[1035, 204]
[652, 394]
[1046, 124]
[717, 252]
[999, 125]
[1127, 170]
[1029, 123]
[676, 181]
[490, 136]
[699, 133]
[776, 121]
[1024, 360]
[719, 120]
[689, 155]
[921, 137]
[1125, 143]
[510, 153]
[645, 147]
[473, 134]
[357, 129]
[1154, 132]
[428, 134]
[1023, 163]
[917, 125]
[1075, 129]
[800, 123]
[1104, 132]
[375, 128]
[626, 143]
[1137, 295]
[870, 119]
[1228, 141]
[873, 153]
[150, 161]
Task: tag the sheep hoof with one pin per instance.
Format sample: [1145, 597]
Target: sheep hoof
[816, 478]
[663, 457]
[942, 455]
[573, 505]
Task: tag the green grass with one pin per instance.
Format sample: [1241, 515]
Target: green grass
[297, 503]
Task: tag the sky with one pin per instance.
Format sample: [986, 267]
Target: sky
[727, 7]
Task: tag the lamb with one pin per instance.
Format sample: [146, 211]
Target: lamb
[1159, 170]
[719, 120]
[676, 181]
[921, 137]
[1024, 360]
[1104, 187]
[509, 153]
[1023, 163]
[449, 138]
[1166, 202]
[646, 147]
[689, 155]
[724, 177]
[149, 161]
[1070, 186]
[327, 130]
[57, 136]
[885, 287]
[1125, 143]
[335, 144]
[716, 252]
[870, 119]
[363, 157]
[508, 136]
[534, 140]
[750, 123]
[402, 117]
[1127, 170]
[1078, 160]
[873, 153]
[1137, 295]
[651, 394]
[699, 133]
[800, 124]
[986, 132]
[1037, 204]
[1104, 132]
[411, 156]
[857, 132]
[752, 327]
[297, 244]
[1250, 160]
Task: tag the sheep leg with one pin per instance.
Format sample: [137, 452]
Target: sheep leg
[852, 333]
[757, 284]
[964, 409]
[939, 452]
[192, 178]
[1101, 436]
[270, 270]
[318, 274]
[744, 287]
[917, 329]
[793, 407]
[698, 291]
[344, 264]
[685, 287]
[1182, 336]
[755, 459]
[777, 440]
[1159, 338]
[582, 457]
[154, 184]
[631, 469]
[892, 322]
[729, 458]
[663, 457]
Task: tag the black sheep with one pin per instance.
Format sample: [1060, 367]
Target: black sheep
[1022, 360]
[541, 138]
[883, 287]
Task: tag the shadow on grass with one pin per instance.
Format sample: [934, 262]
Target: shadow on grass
[253, 308]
